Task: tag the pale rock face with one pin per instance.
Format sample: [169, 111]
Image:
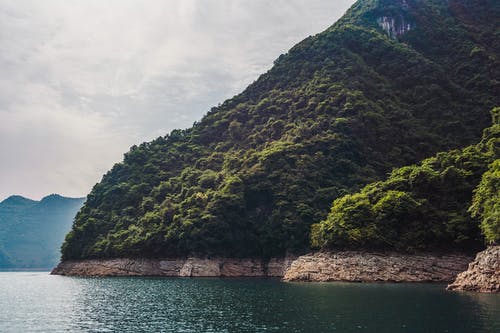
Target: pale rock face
[483, 274]
[120, 267]
[278, 267]
[243, 267]
[337, 266]
[171, 267]
[190, 267]
[372, 267]
[200, 267]
[395, 27]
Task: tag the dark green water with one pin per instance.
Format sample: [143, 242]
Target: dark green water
[38, 302]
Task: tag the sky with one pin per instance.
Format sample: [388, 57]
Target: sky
[82, 81]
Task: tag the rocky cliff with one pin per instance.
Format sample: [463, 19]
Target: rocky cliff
[372, 267]
[339, 266]
[483, 274]
[190, 267]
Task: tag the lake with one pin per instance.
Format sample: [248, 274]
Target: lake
[38, 302]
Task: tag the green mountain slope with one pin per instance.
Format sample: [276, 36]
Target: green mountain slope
[31, 232]
[392, 82]
[486, 203]
[424, 206]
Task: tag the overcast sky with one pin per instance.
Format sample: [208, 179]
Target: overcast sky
[82, 81]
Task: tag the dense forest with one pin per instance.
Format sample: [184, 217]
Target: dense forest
[389, 84]
[31, 231]
[424, 206]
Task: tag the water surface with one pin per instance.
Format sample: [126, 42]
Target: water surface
[38, 302]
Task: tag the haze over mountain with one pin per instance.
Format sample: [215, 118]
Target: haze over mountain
[31, 232]
[391, 83]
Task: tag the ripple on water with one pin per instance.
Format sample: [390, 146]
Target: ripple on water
[38, 302]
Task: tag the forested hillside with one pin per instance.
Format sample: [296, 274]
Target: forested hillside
[486, 204]
[426, 206]
[31, 232]
[389, 84]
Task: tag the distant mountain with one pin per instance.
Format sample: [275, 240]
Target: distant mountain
[31, 232]
[391, 83]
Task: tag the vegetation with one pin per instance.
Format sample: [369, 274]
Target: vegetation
[31, 232]
[486, 204]
[339, 111]
[423, 206]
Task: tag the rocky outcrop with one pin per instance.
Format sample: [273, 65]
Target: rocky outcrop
[372, 267]
[339, 266]
[278, 267]
[223, 268]
[119, 267]
[395, 27]
[190, 267]
[483, 274]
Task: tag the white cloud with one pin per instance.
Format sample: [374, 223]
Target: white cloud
[83, 80]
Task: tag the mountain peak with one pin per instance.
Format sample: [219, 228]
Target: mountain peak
[52, 196]
[17, 200]
[395, 17]
[56, 198]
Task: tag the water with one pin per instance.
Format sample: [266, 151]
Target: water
[38, 302]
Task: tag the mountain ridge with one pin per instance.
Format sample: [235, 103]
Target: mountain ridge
[31, 231]
[340, 110]
[18, 197]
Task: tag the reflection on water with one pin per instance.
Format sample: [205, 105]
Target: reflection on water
[38, 302]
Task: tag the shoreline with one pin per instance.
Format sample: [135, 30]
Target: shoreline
[482, 274]
[174, 267]
[353, 266]
[462, 272]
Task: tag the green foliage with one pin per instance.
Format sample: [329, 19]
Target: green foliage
[423, 206]
[338, 111]
[486, 204]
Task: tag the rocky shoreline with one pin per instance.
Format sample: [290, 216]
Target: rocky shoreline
[190, 267]
[376, 267]
[317, 267]
[480, 275]
[483, 274]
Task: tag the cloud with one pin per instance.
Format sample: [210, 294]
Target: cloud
[84, 80]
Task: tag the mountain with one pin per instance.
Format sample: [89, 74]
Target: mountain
[31, 232]
[389, 84]
[441, 204]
